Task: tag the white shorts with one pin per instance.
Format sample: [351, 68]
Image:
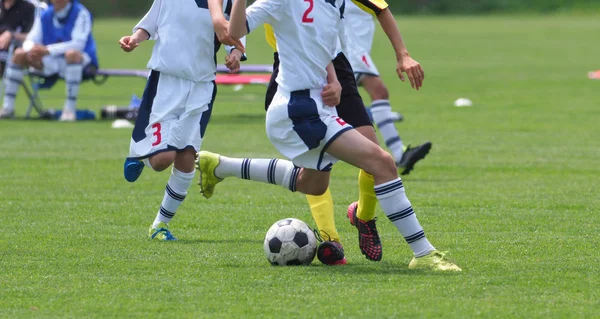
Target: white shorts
[173, 115]
[301, 128]
[58, 65]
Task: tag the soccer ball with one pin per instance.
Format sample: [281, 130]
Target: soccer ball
[290, 242]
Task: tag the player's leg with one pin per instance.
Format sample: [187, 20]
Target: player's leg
[73, 75]
[381, 111]
[352, 111]
[357, 150]
[13, 78]
[186, 137]
[321, 206]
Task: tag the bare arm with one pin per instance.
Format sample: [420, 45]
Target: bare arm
[237, 22]
[405, 63]
[389, 26]
[221, 26]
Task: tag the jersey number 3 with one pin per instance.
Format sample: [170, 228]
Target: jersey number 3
[156, 127]
[305, 17]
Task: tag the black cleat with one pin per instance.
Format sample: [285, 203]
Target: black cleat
[411, 156]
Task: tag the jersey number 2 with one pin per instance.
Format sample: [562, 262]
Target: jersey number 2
[305, 17]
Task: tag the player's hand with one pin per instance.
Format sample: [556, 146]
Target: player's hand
[413, 70]
[232, 61]
[129, 43]
[221, 27]
[332, 94]
[37, 53]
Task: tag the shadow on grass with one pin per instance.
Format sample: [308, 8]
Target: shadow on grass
[218, 241]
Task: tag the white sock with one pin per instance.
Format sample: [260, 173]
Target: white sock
[397, 208]
[175, 193]
[73, 75]
[382, 116]
[273, 171]
[12, 81]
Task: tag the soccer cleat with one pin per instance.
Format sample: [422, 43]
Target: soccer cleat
[67, 116]
[132, 169]
[368, 238]
[6, 114]
[411, 156]
[161, 232]
[206, 164]
[331, 253]
[435, 260]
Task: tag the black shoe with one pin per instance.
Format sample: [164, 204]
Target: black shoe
[411, 156]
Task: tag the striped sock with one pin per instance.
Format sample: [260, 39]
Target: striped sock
[175, 193]
[382, 116]
[273, 171]
[73, 77]
[397, 208]
[12, 82]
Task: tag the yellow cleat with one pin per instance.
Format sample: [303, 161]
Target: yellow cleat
[206, 163]
[435, 260]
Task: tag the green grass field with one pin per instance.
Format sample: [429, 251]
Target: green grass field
[510, 189]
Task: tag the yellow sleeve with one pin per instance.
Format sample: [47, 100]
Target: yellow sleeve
[373, 7]
[270, 35]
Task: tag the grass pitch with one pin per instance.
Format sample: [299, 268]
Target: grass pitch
[510, 189]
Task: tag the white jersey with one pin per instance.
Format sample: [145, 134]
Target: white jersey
[360, 28]
[185, 40]
[307, 35]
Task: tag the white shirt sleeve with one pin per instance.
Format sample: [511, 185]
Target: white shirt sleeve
[150, 21]
[34, 36]
[79, 35]
[263, 11]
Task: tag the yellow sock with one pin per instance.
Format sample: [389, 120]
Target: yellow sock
[367, 201]
[321, 208]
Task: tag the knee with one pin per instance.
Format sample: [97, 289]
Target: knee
[380, 92]
[162, 161]
[385, 167]
[73, 56]
[19, 57]
[316, 189]
[312, 184]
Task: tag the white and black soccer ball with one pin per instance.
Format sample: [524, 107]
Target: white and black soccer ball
[290, 242]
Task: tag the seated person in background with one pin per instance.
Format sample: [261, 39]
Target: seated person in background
[60, 43]
[16, 19]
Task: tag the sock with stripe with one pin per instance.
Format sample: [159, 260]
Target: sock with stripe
[273, 171]
[12, 82]
[175, 193]
[367, 201]
[397, 208]
[73, 77]
[321, 208]
[382, 116]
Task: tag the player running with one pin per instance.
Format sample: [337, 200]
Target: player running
[360, 30]
[351, 109]
[178, 98]
[303, 128]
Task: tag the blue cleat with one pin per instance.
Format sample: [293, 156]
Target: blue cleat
[161, 232]
[132, 169]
